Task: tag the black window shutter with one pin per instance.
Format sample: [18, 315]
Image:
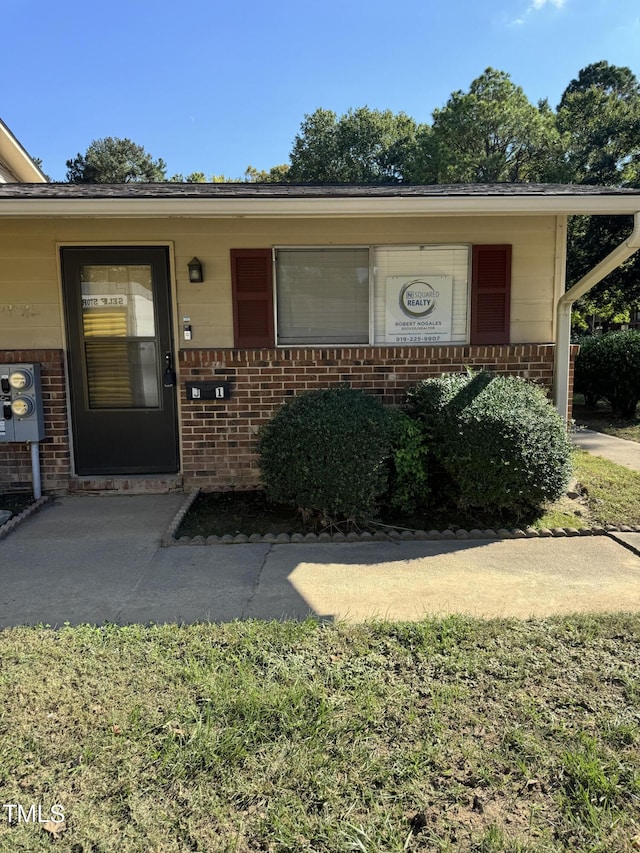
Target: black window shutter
[490, 294]
[252, 284]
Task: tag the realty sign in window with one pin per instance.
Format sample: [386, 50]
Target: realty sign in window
[419, 308]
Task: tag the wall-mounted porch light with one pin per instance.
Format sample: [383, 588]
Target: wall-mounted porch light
[195, 271]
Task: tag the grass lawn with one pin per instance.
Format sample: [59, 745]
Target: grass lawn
[613, 492]
[448, 735]
[452, 734]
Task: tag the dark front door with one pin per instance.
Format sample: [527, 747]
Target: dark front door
[123, 405]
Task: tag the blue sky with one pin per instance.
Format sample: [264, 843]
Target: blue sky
[215, 86]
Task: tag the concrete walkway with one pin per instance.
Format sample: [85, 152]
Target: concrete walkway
[618, 450]
[98, 559]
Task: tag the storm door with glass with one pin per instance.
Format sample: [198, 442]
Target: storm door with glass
[123, 404]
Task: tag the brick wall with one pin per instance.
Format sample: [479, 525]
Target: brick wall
[218, 438]
[15, 459]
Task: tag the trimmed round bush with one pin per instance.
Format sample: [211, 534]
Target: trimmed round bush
[326, 452]
[503, 446]
[608, 367]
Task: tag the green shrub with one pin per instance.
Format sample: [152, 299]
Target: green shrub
[326, 452]
[608, 367]
[587, 379]
[502, 445]
[409, 487]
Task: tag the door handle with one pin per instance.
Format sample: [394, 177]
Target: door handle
[169, 376]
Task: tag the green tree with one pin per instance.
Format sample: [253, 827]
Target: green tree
[362, 146]
[599, 113]
[490, 133]
[275, 175]
[114, 161]
[599, 116]
[615, 299]
[193, 178]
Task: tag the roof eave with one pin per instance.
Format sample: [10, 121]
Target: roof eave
[320, 207]
[18, 159]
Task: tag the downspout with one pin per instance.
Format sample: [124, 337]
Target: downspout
[563, 328]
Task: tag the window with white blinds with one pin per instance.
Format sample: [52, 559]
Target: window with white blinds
[451, 263]
[342, 295]
[322, 296]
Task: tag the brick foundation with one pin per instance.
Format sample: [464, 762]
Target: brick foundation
[218, 438]
[55, 457]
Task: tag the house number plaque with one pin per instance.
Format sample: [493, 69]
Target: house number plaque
[207, 391]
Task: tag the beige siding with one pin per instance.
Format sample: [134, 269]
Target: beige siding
[6, 175]
[30, 313]
[29, 294]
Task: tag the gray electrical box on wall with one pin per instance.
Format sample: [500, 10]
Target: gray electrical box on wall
[21, 414]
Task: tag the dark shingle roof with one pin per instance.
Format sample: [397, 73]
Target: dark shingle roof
[273, 191]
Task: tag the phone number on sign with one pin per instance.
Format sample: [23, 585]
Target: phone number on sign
[417, 339]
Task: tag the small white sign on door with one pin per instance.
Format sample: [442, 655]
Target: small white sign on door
[104, 300]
